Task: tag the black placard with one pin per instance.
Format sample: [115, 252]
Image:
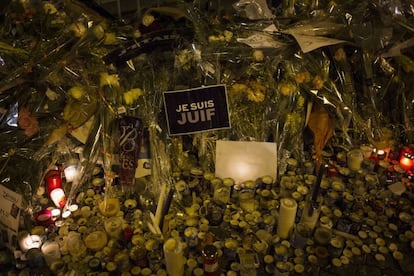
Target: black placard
[196, 109]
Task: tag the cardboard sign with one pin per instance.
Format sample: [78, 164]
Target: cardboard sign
[196, 110]
[244, 161]
[10, 207]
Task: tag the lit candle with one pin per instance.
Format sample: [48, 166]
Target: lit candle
[381, 154]
[44, 218]
[287, 214]
[71, 170]
[174, 259]
[406, 161]
[54, 188]
[51, 252]
[27, 241]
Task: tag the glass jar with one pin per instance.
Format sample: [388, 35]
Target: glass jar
[195, 181]
[247, 200]
[310, 214]
[222, 190]
[301, 234]
[210, 260]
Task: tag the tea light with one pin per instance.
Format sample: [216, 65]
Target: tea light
[287, 214]
[55, 212]
[381, 154]
[71, 170]
[27, 241]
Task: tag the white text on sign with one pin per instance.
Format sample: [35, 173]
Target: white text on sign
[196, 112]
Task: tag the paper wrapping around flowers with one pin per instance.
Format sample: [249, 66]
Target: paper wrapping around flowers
[322, 127]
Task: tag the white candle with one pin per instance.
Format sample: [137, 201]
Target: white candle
[174, 259]
[287, 214]
[160, 204]
[51, 252]
[58, 197]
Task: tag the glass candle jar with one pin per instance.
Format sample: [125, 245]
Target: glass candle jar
[354, 159]
[222, 190]
[210, 260]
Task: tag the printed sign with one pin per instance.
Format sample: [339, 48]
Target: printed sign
[130, 139]
[10, 207]
[196, 110]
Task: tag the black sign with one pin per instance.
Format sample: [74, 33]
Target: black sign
[196, 109]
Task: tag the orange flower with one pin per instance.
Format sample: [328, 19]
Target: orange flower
[28, 122]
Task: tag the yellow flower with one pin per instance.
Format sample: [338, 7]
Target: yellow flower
[213, 38]
[286, 88]
[227, 35]
[238, 88]
[137, 34]
[183, 57]
[98, 31]
[49, 8]
[255, 95]
[317, 82]
[132, 95]
[301, 101]
[76, 92]
[110, 39]
[302, 77]
[78, 29]
[147, 19]
[107, 79]
[258, 55]
[339, 54]
[51, 95]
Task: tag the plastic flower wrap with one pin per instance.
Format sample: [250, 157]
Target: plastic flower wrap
[155, 60]
[250, 99]
[51, 58]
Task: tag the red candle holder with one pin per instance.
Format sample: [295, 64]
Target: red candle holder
[406, 158]
[44, 218]
[54, 188]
